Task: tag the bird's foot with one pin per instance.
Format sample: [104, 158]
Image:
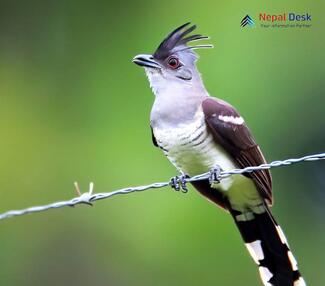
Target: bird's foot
[178, 183]
[215, 175]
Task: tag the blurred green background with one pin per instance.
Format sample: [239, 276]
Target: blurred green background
[74, 108]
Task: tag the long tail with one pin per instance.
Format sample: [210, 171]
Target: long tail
[268, 247]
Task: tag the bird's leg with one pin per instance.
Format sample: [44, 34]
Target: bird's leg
[214, 175]
[178, 183]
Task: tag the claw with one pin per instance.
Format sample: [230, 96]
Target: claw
[214, 175]
[178, 183]
[174, 183]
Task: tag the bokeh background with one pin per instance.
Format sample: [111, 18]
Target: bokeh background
[74, 108]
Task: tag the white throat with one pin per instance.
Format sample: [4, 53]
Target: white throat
[176, 100]
[166, 85]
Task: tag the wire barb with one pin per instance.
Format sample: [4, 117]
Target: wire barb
[89, 197]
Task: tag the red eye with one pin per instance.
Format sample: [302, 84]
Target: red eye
[173, 63]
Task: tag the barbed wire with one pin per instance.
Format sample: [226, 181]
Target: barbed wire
[89, 197]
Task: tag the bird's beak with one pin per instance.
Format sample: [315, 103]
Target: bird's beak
[146, 61]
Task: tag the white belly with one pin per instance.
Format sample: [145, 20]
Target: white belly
[192, 150]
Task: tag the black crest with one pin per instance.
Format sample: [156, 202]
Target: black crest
[179, 37]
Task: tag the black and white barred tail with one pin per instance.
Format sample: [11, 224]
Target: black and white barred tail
[268, 247]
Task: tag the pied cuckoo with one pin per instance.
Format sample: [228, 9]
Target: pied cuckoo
[199, 133]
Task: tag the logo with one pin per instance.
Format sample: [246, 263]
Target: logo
[278, 20]
[285, 17]
[247, 20]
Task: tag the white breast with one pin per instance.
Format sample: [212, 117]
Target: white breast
[192, 149]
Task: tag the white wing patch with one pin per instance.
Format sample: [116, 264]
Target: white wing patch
[231, 119]
[255, 250]
[266, 275]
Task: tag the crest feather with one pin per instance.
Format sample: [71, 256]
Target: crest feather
[177, 38]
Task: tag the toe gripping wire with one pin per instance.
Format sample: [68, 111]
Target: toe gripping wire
[216, 175]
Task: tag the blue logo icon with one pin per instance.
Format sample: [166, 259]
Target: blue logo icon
[247, 20]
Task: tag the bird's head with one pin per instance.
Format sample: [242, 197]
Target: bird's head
[174, 62]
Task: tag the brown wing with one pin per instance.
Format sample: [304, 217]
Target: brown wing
[231, 132]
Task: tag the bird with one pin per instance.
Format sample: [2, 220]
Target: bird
[198, 134]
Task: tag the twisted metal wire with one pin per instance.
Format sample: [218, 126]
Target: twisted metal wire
[88, 197]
